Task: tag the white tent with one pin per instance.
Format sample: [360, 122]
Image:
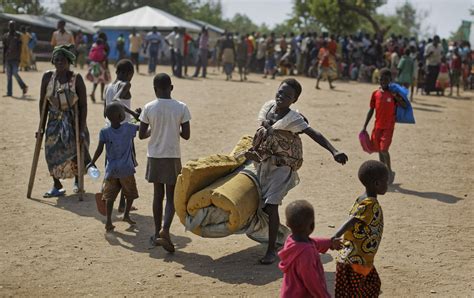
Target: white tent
[144, 18]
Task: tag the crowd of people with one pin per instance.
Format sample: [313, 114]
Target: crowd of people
[164, 121]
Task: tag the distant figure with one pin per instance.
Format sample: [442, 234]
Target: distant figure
[135, 44]
[153, 44]
[81, 49]
[228, 56]
[11, 53]
[31, 46]
[120, 47]
[61, 36]
[170, 40]
[25, 51]
[203, 52]
[242, 58]
[98, 71]
[433, 53]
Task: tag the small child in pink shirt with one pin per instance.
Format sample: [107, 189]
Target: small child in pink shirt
[303, 273]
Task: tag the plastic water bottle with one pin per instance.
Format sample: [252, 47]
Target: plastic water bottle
[93, 172]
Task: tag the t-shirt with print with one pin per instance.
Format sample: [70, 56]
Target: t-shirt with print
[383, 101]
[119, 148]
[165, 116]
[362, 241]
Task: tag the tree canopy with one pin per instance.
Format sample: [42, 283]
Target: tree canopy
[22, 6]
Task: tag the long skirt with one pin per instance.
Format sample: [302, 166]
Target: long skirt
[352, 284]
[60, 144]
[431, 77]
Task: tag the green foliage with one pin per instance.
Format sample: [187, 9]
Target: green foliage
[332, 17]
[209, 12]
[240, 23]
[22, 6]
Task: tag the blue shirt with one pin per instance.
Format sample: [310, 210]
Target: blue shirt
[119, 148]
[155, 40]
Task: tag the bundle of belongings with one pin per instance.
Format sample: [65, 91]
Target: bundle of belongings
[219, 195]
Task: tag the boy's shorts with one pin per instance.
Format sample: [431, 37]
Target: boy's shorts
[112, 187]
[381, 139]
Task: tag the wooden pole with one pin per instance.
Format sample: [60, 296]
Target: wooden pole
[79, 151]
[39, 141]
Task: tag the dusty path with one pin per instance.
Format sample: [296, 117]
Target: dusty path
[57, 247]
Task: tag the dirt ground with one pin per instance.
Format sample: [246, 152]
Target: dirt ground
[58, 247]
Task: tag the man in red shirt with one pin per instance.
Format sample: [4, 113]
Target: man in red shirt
[384, 103]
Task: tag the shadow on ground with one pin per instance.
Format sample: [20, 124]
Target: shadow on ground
[442, 197]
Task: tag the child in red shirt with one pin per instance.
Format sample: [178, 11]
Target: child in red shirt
[303, 273]
[384, 103]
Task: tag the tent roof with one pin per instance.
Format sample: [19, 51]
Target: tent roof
[145, 18]
[209, 26]
[41, 21]
[86, 26]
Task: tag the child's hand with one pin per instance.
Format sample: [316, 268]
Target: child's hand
[138, 111]
[340, 157]
[336, 243]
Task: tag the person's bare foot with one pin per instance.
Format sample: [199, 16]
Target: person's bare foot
[317, 87]
[25, 90]
[269, 258]
[129, 220]
[109, 228]
[332, 86]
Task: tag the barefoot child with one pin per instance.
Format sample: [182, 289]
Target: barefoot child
[120, 168]
[278, 153]
[384, 103]
[303, 273]
[119, 92]
[355, 272]
[164, 121]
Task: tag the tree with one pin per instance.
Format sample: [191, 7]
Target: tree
[22, 6]
[339, 16]
[240, 23]
[209, 12]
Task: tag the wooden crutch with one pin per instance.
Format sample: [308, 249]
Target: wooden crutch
[79, 153]
[39, 140]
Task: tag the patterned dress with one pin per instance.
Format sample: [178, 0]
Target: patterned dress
[356, 275]
[60, 142]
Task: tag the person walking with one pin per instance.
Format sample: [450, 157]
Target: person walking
[203, 52]
[11, 54]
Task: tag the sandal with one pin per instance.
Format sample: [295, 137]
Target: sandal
[54, 192]
[166, 243]
[153, 241]
[75, 187]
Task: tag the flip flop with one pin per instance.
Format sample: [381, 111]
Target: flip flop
[152, 241]
[269, 261]
[54, 192]
[75, 187]
[167, 245]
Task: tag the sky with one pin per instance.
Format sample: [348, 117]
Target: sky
[444, 17]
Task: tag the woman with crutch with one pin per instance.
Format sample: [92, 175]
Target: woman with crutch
[67, 137]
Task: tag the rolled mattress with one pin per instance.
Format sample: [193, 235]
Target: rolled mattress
[213, 198]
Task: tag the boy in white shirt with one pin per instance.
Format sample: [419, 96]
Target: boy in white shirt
[164, 121]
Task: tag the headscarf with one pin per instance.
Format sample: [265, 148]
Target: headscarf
[67, 50]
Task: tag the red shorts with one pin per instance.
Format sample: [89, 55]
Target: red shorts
[381, 139]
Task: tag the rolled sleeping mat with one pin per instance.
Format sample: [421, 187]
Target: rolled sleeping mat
[198, 174]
